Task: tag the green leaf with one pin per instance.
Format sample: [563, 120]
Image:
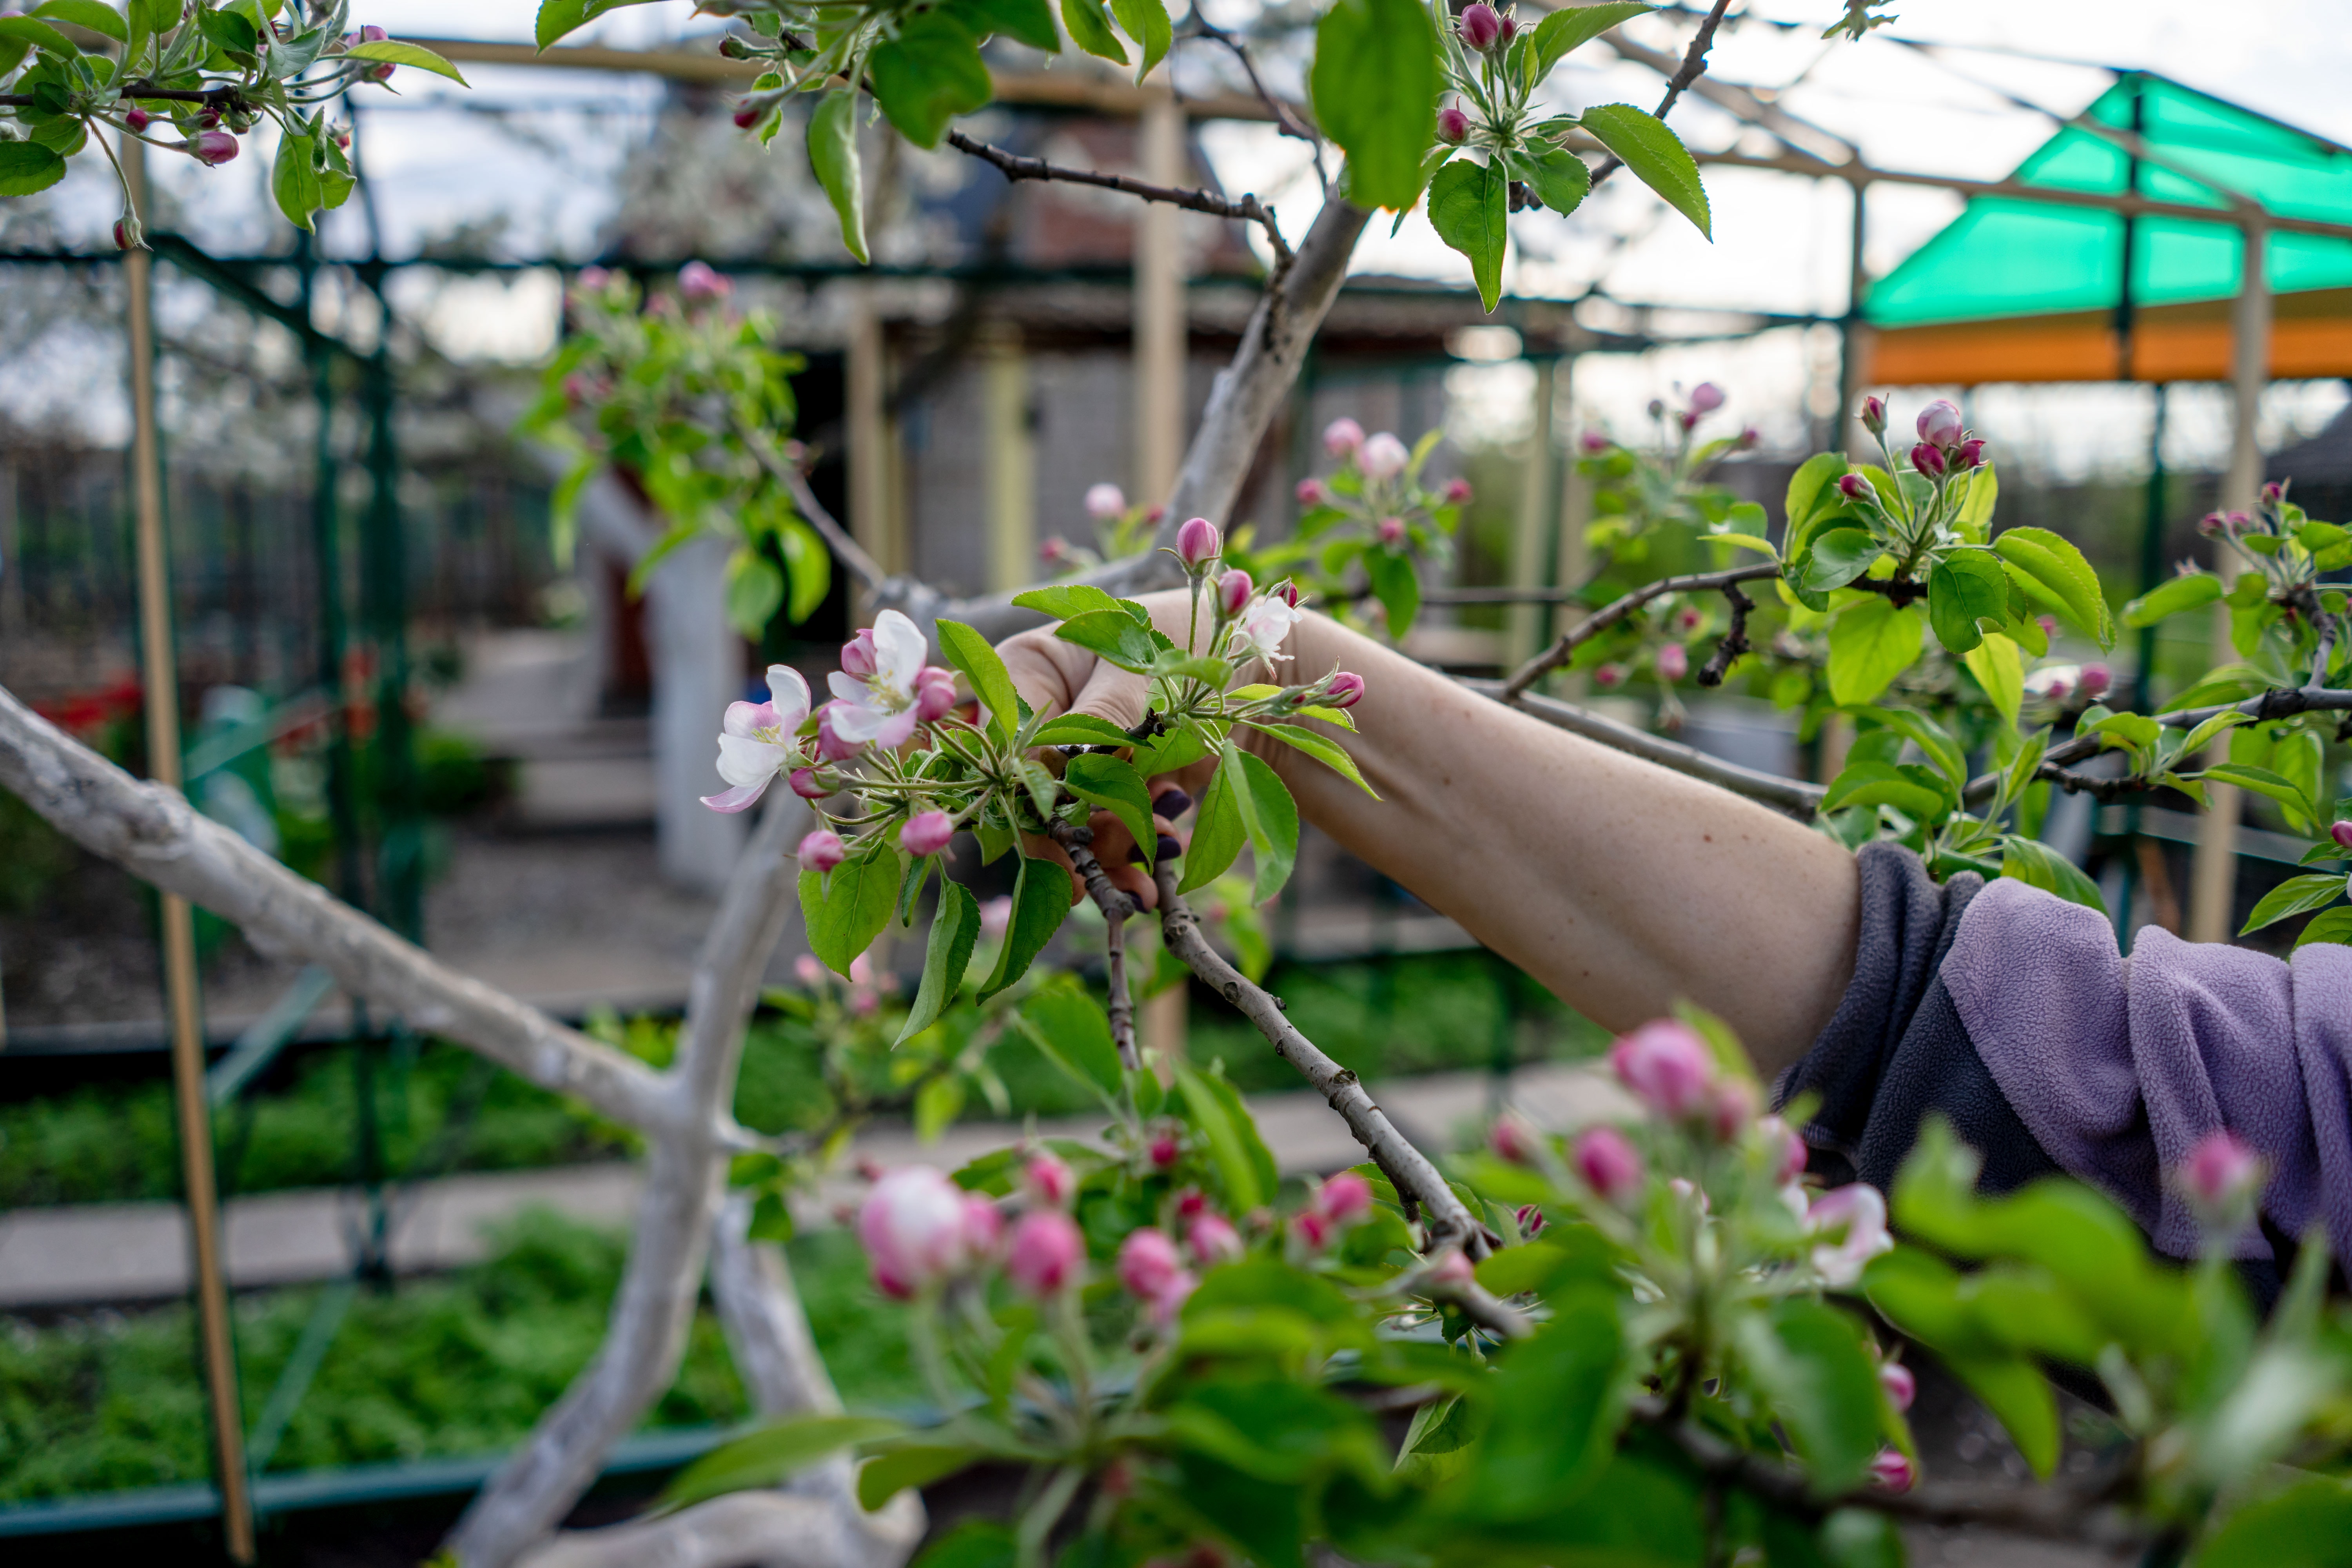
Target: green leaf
[772, 1219]
[27, 167]
[755, 591]
[1656, 155]
[1081, 729]
[893, 1470]
[1812, 492]
[1963, 588]
[2295, 896]
[926, 75]
[1089, 26]
[954, 930]
[2046, 559]
[1217, 832]
[1469, 205]
[1374, 83]
[1117, 787]
[2037, 865]
[1112, 634]
[41, 36]
[294, 182]
[1077, 1032]
[833, 157]
[1838, 555]
[1560, 179]
[1030, 22]
[1976, 512]
[2261, 781]
[1557, 1408]
[1248, 1179]
[1808, 1357]
[845, 912]
[1398, 587]
[1321, 748]
[2193, 592]
[1146, 22]
[2335, 926]
[1871, 643]
[1041, 901]
[772, 1454]
[1883, 783]
[1998, 669]
[1930, 737]
[1270, 818]
[397, 53]
[87, 14]
[1063, 600]
[1574, 25]
[991, 682]
[558, 17]
[2305, 1526]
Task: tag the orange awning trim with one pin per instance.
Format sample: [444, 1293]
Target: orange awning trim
[2310, 336]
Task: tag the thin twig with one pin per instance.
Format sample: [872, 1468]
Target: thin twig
[1693, 62]
[1734, 641]
[1286, 119]
[1115, 907]
[1609, 614]
[864, 567]
[2278, 702]
[212, 96]
[1014, 166]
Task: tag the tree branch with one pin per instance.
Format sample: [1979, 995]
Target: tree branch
[2278, 702]
[1735, 640]
[845, 548]
[1015, 167]
[1693, 62]
[1115, 907]
[1609, 614]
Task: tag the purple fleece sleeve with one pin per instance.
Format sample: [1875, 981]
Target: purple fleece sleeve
[2119, 1066]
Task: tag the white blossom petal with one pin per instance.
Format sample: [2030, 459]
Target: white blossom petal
[742, 797]
[858, 722]
[899, 649]
[848, 688]
[745, 761]
[745, 719]
[789, 695]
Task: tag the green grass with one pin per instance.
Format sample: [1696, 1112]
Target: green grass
[442, 1109]
[450, 1366]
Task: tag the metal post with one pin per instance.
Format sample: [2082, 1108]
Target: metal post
[1853, 333]
[1571, 555]
[2213, 882]
[163, 702]
[384, 599]
[1536, 497]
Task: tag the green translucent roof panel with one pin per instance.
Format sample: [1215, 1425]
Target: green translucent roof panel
[2002, 258]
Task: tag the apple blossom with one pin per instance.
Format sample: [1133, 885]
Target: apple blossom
[1531, 1220]
[1512, 1139]
[1594, 441]
[808, 971]
[1163, 1151]
[2221, 1177]
[878, 708]
[1928, 460]
[857, 655]
[1391, 530]
[927, 833]
[1192, 1202]
[821, 851]
[213, 147]
[1666, 1064]
[831, 746]
[1344, 1198]
[1105, 501]
[1608, 675]
[699, 284]
[1967, 455]
[1148, 1263]
[1674, 661]
[1214, 1240]
[2342, 832]
[1045, 1254]
[1263, 630]
[1383, 456]
[983, 1228]
[935, 693]
[1901, 1387]
[1786, 1150]
[1706, 397]
[913, 1228]
[1341, 437]
[1234, 589]
[1854, 487]
[1310, 493]
[1048, 1180]
[1054, 551]
[759, 740]
[1873, 415]
[1457, 492]
[1345, 689]
[1853, 1221]
[996, 917]
[1731, 1106]
[809, 784]
[2097, 679]
[1939, 423]
[1891, 1471]
[1172, 1299]
[1608, 1164]
[1453, 125]
[137, 119]
[1287, 592]
[1481, 26]
[1197, 543]
[1451, 1271]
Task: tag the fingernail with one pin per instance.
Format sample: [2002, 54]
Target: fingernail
[1166, 848]
[1172, 804]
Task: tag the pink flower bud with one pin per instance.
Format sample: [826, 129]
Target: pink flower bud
[2342, 832]
[1687, 620]
[1873, 415]
[1153, 515]
[1731, 1105]
[927, 833]
[2211, 525]
[809, 786]
[808, 971]
[1310, 493]
[1383, 457]
[1045, 1254]
[996, 917]
[1287, 591]
[1214, 1240]
[1457, 492]
[1609, 1163]
[1939, 423]
[1197, 543]
[1666, 1066]
[1512, 1139]
[1608, 675]
[2094, 681]
[1901, 1387]
[983, 1228]
[821, 851]
[1049, 1182]
[1784, 1149]
[1314, 1230]
[1148, 1263]
[1594, 441]
[2274, 493]
[1234, 591]
[1890, 1471]
[1342, 435]
[2221, 1177]
[1750, 437]
[126, 234]
[1510, 30]
[1170, 1301]
[1687, 420]
[1967, 455]
[1391, 530]
[1054, 551]
[858, 659]
[1531, 1220]
[1347, 690]
[1450, 1272]
[2238, 522]
[593, 279]
[371, 34]
[1481, 26]
[2049, 625]
[1854, 487]
[1928, 460]
[1852, 1222]
[913, 1228]
[1163, 1151]
[1674, 661]
[1344, 1198]
[1453, 126]
[213, 147]
[137, 117]
[1706, 397]
[748, 113]
[935, 693]
[1105, 501]
[701, 285]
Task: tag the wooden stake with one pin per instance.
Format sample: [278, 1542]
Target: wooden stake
[163, 701]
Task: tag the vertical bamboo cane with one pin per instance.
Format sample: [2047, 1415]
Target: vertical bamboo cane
[194, 1115]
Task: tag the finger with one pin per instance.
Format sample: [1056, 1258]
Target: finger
[1119, 696]
[1047, 671]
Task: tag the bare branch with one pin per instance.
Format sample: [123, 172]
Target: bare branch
[2278, 702]
[1609, 614]
[1735, 640]
[1017, 167]
[1693, 62]
[1287, 118]
[837, 539]
[1115, 907]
